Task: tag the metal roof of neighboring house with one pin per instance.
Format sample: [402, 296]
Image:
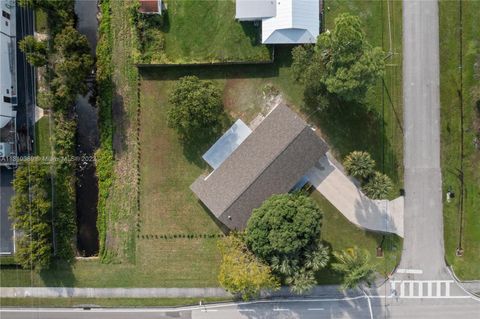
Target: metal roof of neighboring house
[296, 21]
[271, 160]
[150, 6]
[255, 9]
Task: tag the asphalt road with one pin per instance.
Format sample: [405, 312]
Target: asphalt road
[423, 244]
[305, 309]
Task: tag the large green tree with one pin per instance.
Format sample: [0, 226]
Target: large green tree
[285, 233]
[241, 272]
[345, 64]
[30, 211]
[351, 65]
[196, 107]
[355, 266]
[72, 65]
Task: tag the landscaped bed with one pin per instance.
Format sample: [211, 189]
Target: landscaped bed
[199, 32]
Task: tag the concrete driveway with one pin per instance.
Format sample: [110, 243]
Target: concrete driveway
[341, 192]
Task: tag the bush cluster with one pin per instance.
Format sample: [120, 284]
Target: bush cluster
[68, 62]
[360, 165]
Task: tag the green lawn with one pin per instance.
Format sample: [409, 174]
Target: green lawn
[340, 234]
[466, 267]
[377, 126]
[42, 137]
[104, 302]
[41, 23]
[206, 31]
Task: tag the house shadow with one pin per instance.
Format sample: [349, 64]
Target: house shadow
[252, 31]
[225, 230]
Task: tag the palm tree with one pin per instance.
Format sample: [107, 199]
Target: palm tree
[302, 281]
[359, 164]
[356, 267]
[378, 186]
[317, 259]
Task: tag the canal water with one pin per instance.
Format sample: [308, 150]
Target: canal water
[87, 143]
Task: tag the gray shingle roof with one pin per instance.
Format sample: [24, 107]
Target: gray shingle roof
[271, 160]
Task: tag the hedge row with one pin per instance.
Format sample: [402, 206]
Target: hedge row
[104, 154]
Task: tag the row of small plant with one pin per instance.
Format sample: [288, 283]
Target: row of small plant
[174, 236]
[361, 165]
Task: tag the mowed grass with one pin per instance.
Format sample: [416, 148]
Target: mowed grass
[376, 126]
[41, 24]
[466, 267]
[339, 234]
[206, 31]
[42, 137]
[179, 262]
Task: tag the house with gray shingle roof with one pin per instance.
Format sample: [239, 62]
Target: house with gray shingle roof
[272, 159]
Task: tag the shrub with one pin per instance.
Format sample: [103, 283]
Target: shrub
[241, 272]
[379, 186]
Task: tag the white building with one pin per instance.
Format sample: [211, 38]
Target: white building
[8, 79]
[283, 21]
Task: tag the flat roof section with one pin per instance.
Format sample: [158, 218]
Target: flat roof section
[226, 144]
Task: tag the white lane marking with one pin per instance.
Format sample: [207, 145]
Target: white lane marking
[280, 309]
[316, 309]
[409, 271]
[209, 310]
[246, 310]
[439, 289]
[434, 288]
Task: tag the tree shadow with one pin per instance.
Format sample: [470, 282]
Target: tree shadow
[353, 126]
[196, 145]
[121, 124]
[60, 274]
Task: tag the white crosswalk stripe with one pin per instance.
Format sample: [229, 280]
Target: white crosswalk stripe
[421, 288]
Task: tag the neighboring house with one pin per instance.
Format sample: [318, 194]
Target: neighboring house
[151, 6]
[283, 21]
[271, 159]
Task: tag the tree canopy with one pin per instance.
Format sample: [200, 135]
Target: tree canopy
[241, 272]
[196, 107]
[285, 233]
[30, 211]
[35, 51]
[73, 63]
[344, 63]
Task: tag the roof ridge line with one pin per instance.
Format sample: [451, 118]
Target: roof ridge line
[265, 168]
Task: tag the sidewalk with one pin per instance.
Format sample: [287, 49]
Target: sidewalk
[327, 291]
[341, 192]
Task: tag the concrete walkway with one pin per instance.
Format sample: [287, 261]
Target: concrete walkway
[341, 192]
